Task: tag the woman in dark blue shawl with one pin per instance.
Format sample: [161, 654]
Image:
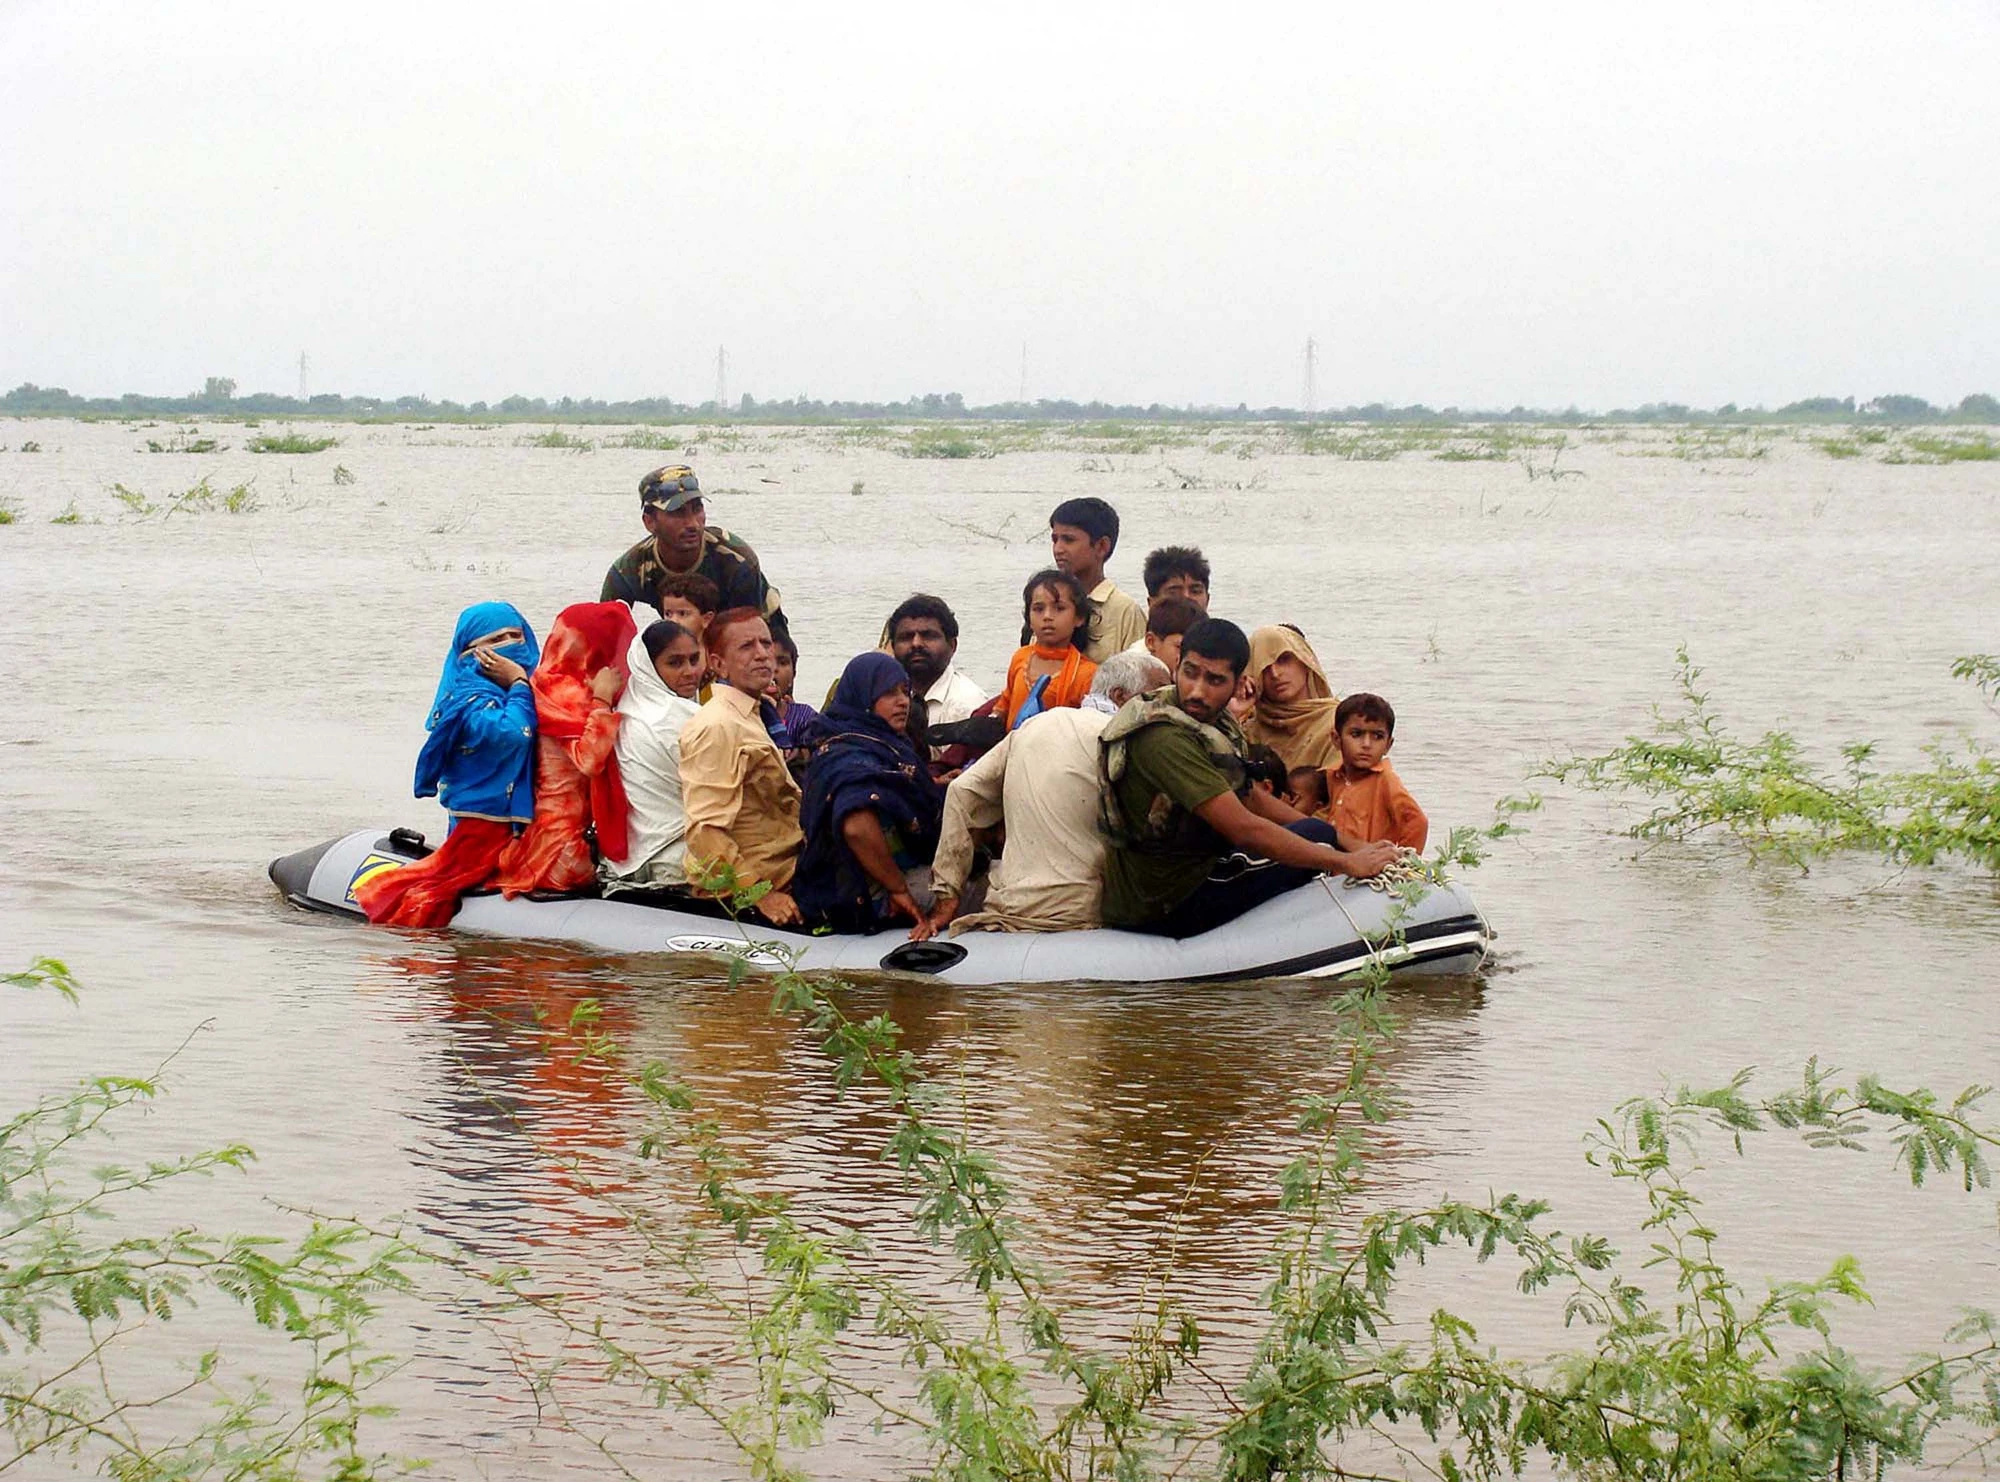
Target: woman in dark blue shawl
[871, 810]
[478, 761]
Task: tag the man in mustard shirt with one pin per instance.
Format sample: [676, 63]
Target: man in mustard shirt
[742, 804]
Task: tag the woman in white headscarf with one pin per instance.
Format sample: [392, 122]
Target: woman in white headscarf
[667, 666]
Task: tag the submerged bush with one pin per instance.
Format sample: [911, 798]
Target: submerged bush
[555, 437]
[1706, 1380]
[1953, 449]
[85, 1277]
[290, 442]
[1767, 794]
[1680, 1372]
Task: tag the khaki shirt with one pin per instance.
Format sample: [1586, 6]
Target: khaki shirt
[1116, 623]
[742, 805]
[1043, 778]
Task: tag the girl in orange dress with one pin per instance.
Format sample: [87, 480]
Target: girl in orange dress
[577, 785]
[1049, 670]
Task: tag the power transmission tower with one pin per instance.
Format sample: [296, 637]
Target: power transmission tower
[721, 379]
[1309, 398]
[302, 376]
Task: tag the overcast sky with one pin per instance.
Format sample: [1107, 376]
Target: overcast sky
[1483, 205]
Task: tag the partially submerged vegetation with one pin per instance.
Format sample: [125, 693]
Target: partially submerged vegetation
[555, 437]
[87, 1278]
[290, 442]
[200, 498]
[1771, 797]
[191, 442]
[1680, 1370]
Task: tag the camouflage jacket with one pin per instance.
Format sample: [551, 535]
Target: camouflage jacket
[726, 560]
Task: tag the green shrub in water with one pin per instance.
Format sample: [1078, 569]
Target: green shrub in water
[943, 442]
[85, 1277]
[1954, 449]
[290, 442]
[555, 437]
[1681, 1373]
[1767, 794]
[1709, 1381]
[652, 439]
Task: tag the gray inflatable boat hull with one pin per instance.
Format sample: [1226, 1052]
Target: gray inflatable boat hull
[1318, 930]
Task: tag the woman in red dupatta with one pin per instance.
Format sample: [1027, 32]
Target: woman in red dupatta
[577, 683]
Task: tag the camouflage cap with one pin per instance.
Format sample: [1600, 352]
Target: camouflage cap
[669, 488]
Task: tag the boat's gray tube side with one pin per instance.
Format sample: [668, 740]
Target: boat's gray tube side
[1318, 930]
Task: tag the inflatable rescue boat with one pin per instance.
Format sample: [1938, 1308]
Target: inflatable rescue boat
[1324, 928]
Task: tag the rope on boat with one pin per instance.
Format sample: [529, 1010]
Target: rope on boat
[1409, 866]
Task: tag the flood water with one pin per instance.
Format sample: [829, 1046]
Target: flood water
[199, 691]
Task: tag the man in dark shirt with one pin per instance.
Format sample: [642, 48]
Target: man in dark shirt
[1177, 803]
[680, 539]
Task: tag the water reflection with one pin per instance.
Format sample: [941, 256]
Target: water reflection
[526, 1126]
[1131, 1121]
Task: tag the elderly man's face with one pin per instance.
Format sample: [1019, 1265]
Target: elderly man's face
[922, 649]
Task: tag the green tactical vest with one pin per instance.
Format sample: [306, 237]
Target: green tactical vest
[1161, 830]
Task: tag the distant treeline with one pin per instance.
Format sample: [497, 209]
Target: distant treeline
[219, 399]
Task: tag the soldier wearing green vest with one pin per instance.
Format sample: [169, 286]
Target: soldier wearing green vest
[679, 539]
[1192, 843]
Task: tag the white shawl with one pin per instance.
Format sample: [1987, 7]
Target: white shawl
[649, 757]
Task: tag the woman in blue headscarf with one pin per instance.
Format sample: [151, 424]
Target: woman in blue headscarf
[871, 810]
[478, 762]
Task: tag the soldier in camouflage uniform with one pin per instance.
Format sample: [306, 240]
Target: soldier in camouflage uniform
[679, 538]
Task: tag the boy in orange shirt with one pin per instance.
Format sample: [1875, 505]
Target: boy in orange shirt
[1365, 799]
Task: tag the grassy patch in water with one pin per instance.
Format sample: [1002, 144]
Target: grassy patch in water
[290, 442]
[186, 445]
[9, 512]
[1713, 444]
[651, 439]
[946, 442]
[555, 437]
[1980, 449]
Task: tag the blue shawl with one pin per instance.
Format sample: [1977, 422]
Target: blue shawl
[480, 755]
[859, 761]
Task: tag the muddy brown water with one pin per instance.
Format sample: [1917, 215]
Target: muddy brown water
[194, 693]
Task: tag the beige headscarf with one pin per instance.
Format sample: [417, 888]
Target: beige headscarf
[1302, 731]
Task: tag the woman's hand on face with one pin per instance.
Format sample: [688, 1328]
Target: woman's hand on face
[502, 670]
[779, 909]
[607, 683]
